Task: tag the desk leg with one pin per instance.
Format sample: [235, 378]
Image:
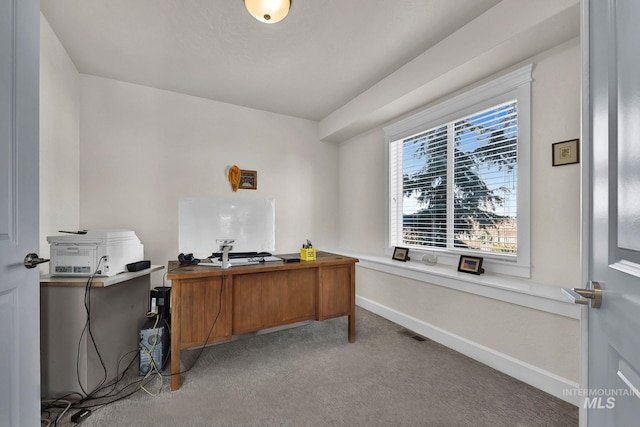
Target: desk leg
[352, 316]
[175, 335]
[352, 328]
[175, 369]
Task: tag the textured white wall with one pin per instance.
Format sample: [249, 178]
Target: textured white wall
[59, 139]
[555, 191]
[555, 209]
[142, 149]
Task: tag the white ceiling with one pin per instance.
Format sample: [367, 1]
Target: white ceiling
[324, 54]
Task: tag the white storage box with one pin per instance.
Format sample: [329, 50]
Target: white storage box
[103, 252]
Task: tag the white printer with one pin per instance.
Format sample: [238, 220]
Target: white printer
[103, 252]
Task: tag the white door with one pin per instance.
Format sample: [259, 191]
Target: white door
[19, 286]
[612, 397]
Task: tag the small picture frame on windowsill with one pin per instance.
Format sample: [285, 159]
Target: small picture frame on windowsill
[470, 264]
[401, 254]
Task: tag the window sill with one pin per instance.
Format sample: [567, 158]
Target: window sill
[512, 290]
[492, 265]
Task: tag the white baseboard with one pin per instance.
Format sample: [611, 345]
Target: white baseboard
[546, 381]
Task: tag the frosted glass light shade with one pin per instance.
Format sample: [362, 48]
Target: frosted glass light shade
[268, 11]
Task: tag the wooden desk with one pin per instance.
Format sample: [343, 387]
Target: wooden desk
[253, 297]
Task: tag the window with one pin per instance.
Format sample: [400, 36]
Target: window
[459, 175]
[458, 184]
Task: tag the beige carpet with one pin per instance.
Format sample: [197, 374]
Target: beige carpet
[311, 376]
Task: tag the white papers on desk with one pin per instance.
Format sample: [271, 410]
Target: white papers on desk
[214, 263]
[242, 261]
[270, 258]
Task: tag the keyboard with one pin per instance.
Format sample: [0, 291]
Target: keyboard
[234, 255]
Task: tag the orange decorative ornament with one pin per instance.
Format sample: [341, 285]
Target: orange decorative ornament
[234, 177]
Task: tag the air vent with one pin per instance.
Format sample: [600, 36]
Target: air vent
[413, 335]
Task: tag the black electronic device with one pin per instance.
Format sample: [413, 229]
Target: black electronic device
[290, 259]
[80, 416]
[160, 301]
[188, 259]
[137, 266]
[153, 346]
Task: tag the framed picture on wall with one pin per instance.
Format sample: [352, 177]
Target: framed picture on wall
[566, 152]
[248, 180]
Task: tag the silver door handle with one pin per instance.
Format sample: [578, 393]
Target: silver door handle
[593, 296]
[32, 260]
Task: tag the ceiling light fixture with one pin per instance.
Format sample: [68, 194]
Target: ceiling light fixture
[268, 11]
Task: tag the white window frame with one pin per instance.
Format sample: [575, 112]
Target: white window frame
[515, 85]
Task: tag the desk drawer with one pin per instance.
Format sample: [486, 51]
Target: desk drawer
[265, 300]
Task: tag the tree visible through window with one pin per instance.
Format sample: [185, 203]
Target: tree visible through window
[459, 183]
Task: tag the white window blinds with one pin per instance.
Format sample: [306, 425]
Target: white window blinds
[455, 184]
